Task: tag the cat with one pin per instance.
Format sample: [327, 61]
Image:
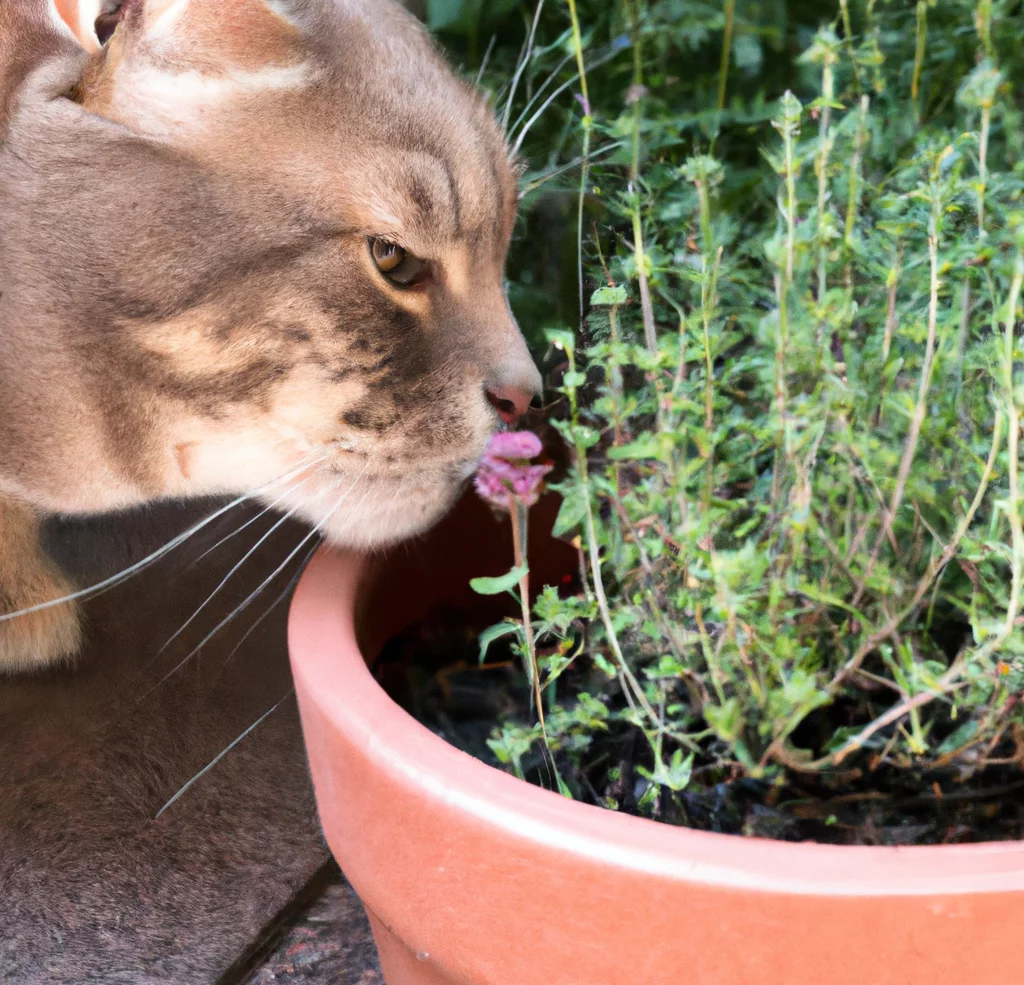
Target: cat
[251, 248]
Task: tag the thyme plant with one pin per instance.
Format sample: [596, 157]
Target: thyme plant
[790, 389]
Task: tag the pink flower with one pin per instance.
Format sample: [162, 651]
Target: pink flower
[505, 473]
[513, 445]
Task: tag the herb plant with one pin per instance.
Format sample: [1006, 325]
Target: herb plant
[789, 384]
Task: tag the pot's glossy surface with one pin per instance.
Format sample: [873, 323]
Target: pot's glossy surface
[473, 877]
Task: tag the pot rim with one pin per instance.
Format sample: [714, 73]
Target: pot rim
[337, 678]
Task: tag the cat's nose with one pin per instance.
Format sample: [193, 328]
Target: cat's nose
[512, 399]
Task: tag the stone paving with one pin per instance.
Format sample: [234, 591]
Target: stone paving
[329, 943]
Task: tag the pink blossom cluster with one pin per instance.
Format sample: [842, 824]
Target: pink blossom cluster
[505, 473]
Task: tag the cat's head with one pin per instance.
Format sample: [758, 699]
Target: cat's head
[270, 234]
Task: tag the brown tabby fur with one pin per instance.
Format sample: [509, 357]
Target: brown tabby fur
[188, 305]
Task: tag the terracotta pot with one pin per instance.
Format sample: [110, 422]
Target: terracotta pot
[470, 876]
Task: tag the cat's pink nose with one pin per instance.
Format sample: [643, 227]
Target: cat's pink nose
[511, 401]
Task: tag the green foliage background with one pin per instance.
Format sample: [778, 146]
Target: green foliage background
[795, 478]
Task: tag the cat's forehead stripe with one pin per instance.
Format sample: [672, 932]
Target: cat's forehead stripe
[469, 198]
[438, 201]
[453, 190]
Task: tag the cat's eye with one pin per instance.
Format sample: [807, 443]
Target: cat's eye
[398, 264]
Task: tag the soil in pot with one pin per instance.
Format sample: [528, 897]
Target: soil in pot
[433, 671]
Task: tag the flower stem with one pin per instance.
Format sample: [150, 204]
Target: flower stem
[723, 67]
[922, 41]
[986, 119]
[824, 149]
[1013, 435]
[585, 156]
[632, 686]
[924, 383]
[518, 514]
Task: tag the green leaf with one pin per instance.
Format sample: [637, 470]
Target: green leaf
[675, 774]
[503, 583]
[623, 618]
[812, 592]
[442, 13]
[561, 339]
[841, 736]
[609, 295]
[648, 445]
[959, 737]
[725, 720]
[572, 511]
[492, 633]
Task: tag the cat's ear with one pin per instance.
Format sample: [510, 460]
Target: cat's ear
[80, 16]
[165, 60]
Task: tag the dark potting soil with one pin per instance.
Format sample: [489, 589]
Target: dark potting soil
[432, 671]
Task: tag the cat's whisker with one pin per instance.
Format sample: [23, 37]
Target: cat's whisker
[107, 583]
[231, 745]
[253, 595]
[234, 612]
[285, 594]
[248, 554]
[234, 533]
[288, 492]
[267, 581]
[521, 67]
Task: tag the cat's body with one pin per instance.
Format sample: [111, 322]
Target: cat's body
[201, 230]
[94, 887]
